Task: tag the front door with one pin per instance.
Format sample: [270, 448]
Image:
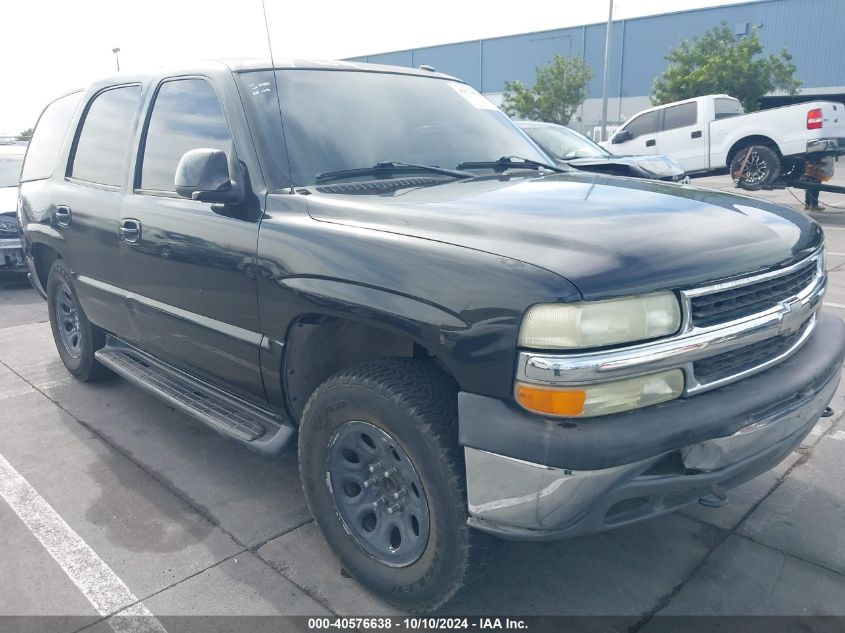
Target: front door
[190, 264]
[643, 136]
[681, 136]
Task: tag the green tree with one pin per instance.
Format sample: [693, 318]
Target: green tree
[27, 133]
[718, 62]
[558, 90]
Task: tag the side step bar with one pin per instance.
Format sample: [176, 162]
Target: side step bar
[258, 428]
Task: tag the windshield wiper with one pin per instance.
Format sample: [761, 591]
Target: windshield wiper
[510, 162]
[388, 168]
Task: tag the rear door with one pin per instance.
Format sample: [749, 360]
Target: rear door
[87, 202]
[190, 265]
[681, 136]
[643, 131]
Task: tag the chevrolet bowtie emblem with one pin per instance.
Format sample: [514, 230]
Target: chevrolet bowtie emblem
[793, 317]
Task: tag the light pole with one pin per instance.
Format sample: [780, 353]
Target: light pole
[116, 52]
[606, 64]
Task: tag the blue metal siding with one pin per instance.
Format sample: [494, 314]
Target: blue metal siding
[517, 57]
[812, 31]
[648, 41]
[809, 29]
[460, 60]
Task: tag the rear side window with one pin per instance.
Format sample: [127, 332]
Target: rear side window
[727, 108]
[46, 143]
[104, 138]
[643, 124]
[186, 115]
[682, 115]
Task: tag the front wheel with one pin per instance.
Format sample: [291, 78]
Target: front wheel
[755, 167]
[75, 336]
[383, 475]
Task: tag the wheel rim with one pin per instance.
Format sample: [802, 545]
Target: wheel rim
[756, 169]
[67, 319]
[377, 493]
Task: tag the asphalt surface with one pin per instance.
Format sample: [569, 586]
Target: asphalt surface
[172, 518]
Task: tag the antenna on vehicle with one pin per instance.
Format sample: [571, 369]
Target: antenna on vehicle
[427, 67]
[276, 86]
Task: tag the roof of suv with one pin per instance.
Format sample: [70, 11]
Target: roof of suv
[252, 64]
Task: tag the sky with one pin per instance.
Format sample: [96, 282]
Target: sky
[50, 47]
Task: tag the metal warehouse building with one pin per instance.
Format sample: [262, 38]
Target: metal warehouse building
[811, 30]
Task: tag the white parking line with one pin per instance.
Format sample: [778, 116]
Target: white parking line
[107, 593]
[832, 253]
[837, 435]
[841, 306]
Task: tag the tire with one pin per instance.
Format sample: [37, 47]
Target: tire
[76, 346]
[762, 167]
[413, 407]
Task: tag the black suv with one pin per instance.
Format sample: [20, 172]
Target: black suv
[462, 338]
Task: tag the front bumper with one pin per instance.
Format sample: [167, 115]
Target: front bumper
[535, 478]
[11, 254]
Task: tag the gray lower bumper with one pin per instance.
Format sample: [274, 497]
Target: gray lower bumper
[11, 254]
[518, 499]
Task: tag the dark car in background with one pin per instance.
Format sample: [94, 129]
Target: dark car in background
[11, 160]
[569, 148]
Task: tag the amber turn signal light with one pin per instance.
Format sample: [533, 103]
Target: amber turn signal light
[551, 401]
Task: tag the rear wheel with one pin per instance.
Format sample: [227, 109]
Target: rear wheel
[755, 167]
[383, 474]
[75, 336]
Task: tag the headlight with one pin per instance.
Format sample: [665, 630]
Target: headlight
[602, 398]
[600, 323]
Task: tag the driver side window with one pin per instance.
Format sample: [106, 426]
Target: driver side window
[643, 124]
[186, 115]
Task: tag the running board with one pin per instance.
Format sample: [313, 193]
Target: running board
[257, 428]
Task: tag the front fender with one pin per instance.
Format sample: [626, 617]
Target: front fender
[463, 305]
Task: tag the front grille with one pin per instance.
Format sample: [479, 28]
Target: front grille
[736, 361]
[742, 301]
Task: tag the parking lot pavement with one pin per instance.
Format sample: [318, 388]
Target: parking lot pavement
[194, 524]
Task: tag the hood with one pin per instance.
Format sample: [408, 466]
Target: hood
[657, 167]
[608, 236]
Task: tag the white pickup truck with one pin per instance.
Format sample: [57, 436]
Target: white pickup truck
[761, 149]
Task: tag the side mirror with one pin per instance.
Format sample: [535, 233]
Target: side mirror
[621, 137]
[205, 174]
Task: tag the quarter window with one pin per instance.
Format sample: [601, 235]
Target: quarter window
[186, 115]
[678, 116]
[643, 124]
[727, 108]
[104, 137]
[46, 142]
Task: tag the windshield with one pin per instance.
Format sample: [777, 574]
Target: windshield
[563, 143]
[10, 170]
[341, 120]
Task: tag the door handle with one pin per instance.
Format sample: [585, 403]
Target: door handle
[650, 143]
[63, 215]
[129, 231]
[696, 134]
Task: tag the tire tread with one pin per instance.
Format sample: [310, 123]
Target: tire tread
[429, 396]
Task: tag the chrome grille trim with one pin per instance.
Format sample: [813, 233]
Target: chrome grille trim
[690, 343]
